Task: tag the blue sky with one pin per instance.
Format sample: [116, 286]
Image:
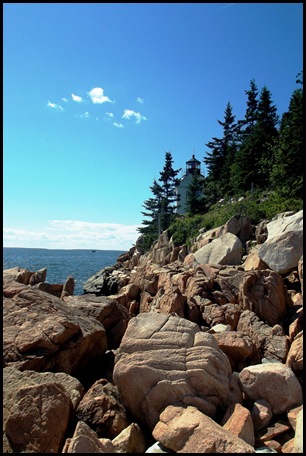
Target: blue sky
[96, 93]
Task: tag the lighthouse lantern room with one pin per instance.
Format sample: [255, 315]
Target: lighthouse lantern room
[193, 166]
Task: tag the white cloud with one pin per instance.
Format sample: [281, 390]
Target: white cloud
[74, 234]
[55, 106]
[97, 96]
[140, 100]
[128, 113]
[118, 125]
[85, 115]
[17, 236]
[110, 114]
[76, 98]
[65, 100]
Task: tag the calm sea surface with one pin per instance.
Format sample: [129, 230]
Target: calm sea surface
[80, 264]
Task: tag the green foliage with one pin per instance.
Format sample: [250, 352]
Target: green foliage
[256, 206]
[286, 175]
[255, 158]
[220, 214]
[184, 228]
[160, 208]
[251, 165]
[277, 203]
[195, 200]
[148, 240]
[222, 154]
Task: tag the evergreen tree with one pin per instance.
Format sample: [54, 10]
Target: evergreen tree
[219, 160]
[169, 196]
[265, 134]
[230, 136]
[151, 226]
[246, 125]
[160, 209]
[287, 171]
[241, 165]
[253, 162]
[195, 199]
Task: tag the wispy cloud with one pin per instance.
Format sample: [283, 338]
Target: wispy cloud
[140, 100]
[55, 106]
[118, 125]
[108, 116]
[76, 98]
[95, 233]
[97, 96]
[73, 234]
[128, 114]
[17, 236]
[65, 100]
[85, 115]
[227, 5]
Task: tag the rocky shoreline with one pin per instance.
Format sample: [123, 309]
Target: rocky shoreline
[178, 349]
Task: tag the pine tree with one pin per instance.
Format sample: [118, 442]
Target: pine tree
[287, 171]
[160, 209]
[241, 167]
[195, 199]
[169, 196]
[246, 125]
[151, 228]
[219, 160]
[253, 161]
[265, 134]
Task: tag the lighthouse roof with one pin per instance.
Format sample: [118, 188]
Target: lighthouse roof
[193, 160]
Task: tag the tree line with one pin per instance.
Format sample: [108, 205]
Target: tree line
[257, 153]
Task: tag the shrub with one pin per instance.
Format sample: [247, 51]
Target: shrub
[184, 228]
[256, 206]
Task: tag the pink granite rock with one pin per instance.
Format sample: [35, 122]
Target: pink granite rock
[39, 418]
[102, 410]
[41, 332]
[187, 430]
[240, 424]
[261, 414]
[273, 382]
[85, 440]
[165, 359]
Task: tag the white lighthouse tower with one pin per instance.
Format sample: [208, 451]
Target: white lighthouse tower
[193, 166]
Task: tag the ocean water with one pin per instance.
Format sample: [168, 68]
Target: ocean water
[60, 264]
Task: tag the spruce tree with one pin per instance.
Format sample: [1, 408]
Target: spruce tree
[151, 225]
[169, 196]
[219, 160]
[195, 199]
[265, 135]
[246, 125]
[253, 161]
[160, 209]
[242, 165]
[287, 171]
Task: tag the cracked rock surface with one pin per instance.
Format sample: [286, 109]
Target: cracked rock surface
[166, 359]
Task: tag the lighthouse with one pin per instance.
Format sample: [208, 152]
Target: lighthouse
[193, 167]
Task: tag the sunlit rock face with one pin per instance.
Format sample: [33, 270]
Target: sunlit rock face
[43, 333]
[165, 359]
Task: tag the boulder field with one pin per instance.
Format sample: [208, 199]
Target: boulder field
[180, 349]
